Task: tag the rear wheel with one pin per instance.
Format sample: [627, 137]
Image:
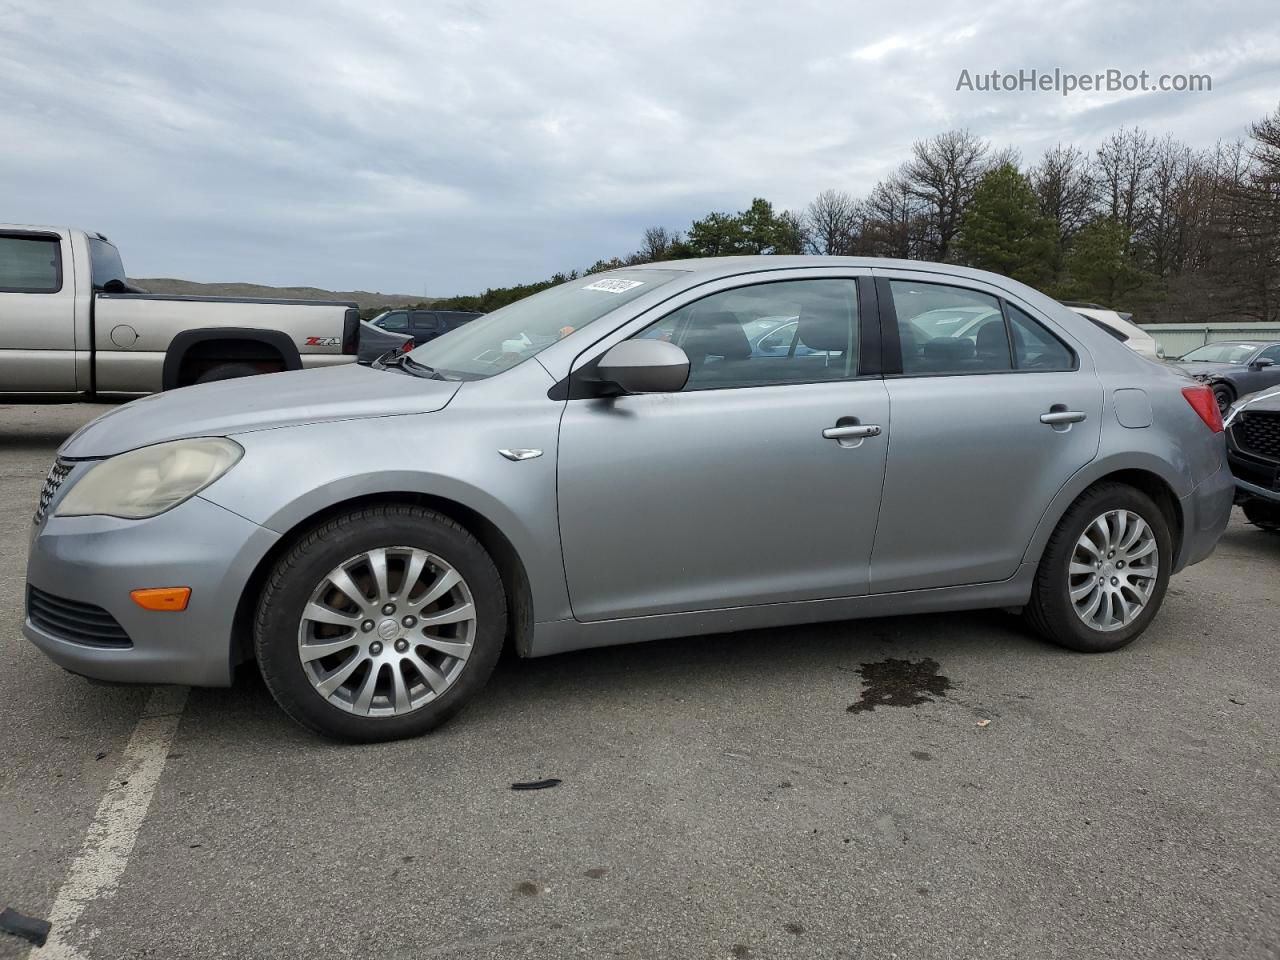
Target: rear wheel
[380, 624]
[1263, 514]
[1104, 572]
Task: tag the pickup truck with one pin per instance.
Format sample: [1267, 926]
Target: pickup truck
[72, 328]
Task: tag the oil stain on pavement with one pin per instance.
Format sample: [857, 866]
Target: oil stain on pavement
[900, 683]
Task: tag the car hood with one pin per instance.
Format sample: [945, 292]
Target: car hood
[226, 407]
[1267, 400]
[1209, 369]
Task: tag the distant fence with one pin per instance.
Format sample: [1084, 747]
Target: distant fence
[1180, 338]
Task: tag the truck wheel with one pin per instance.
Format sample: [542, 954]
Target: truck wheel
[1263, 515]
[380, 623]
[1104, 572]
[226, 371]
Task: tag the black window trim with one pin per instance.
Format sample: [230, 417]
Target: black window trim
[892, 350]
[37, 235]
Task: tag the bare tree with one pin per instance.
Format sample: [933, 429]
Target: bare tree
[894, 221]
[1123, 164]
[656, 244]
[831, 223]
[942, 174]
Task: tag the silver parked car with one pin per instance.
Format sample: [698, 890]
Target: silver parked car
[587, 467]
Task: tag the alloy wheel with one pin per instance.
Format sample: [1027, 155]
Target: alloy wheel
[387, 631]
[1112, 572]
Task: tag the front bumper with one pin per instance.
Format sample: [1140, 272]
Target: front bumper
[99, 560]
[1206, 511]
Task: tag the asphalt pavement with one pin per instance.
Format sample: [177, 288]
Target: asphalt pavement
[718, 797]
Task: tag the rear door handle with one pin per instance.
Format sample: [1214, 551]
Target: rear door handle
[1055, 417]
[854, 431]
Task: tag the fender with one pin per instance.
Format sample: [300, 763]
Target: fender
[278, 340]
[1091, 473]
[536, 552]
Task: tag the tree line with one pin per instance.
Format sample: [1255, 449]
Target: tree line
[1144, 223]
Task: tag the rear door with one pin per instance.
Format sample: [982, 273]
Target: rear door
[37, 313]
[989, 420]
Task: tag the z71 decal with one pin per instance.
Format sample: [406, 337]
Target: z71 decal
[323, 342]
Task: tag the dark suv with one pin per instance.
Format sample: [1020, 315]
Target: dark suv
[1253, 450]
[412, 328]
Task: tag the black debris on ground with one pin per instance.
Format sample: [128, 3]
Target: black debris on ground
[536, 784]
[900, 683]
[28, 928]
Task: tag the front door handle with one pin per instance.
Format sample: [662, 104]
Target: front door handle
[855, 431]
[1056, 417]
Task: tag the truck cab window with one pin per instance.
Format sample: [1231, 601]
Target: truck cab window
[30, 264]
[105, 264]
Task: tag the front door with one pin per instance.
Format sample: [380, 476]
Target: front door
[728, 493]
[992, 412]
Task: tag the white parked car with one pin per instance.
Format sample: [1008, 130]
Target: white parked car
[1120, 327]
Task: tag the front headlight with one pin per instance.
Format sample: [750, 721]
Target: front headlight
[150, 480]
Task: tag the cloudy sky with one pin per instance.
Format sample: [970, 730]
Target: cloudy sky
[444, 147]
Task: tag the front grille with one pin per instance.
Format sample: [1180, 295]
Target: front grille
[57, 474]
[1258, 433]
[75, 621]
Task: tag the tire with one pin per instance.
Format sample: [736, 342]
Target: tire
[1225, 396]
[300, 581]
[1265, 516]
[1051, 611]
[227, 371]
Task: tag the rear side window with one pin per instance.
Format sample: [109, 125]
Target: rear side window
[424, 322]
[104, 263]
[30, 264]
[948, 330]
[1034, 347]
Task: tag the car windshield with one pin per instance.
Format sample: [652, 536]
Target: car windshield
[1221, 353]
[498, 341]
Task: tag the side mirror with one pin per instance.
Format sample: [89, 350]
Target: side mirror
[645, 366]
[1262, 363]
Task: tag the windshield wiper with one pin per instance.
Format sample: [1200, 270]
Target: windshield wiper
[405, 362]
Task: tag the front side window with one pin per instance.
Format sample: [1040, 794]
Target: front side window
[393, 321]
[949, 330]
[1272, 354]
[791, 331]
[498, 341]
[30, 264]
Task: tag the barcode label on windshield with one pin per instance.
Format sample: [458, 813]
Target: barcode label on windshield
[614, 286]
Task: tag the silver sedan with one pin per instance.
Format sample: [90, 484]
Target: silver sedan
[612, 460]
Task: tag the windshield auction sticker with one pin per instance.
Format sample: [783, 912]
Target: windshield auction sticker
[614, 286]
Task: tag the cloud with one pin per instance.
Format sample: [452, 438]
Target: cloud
[451, 146]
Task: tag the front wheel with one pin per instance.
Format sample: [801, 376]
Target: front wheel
[380, 623]
[1225, 397]
[1104, 572]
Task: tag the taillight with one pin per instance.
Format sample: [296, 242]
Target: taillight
[1205, 404]
[407, 346]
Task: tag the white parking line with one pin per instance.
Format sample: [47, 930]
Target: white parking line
[107, 845]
